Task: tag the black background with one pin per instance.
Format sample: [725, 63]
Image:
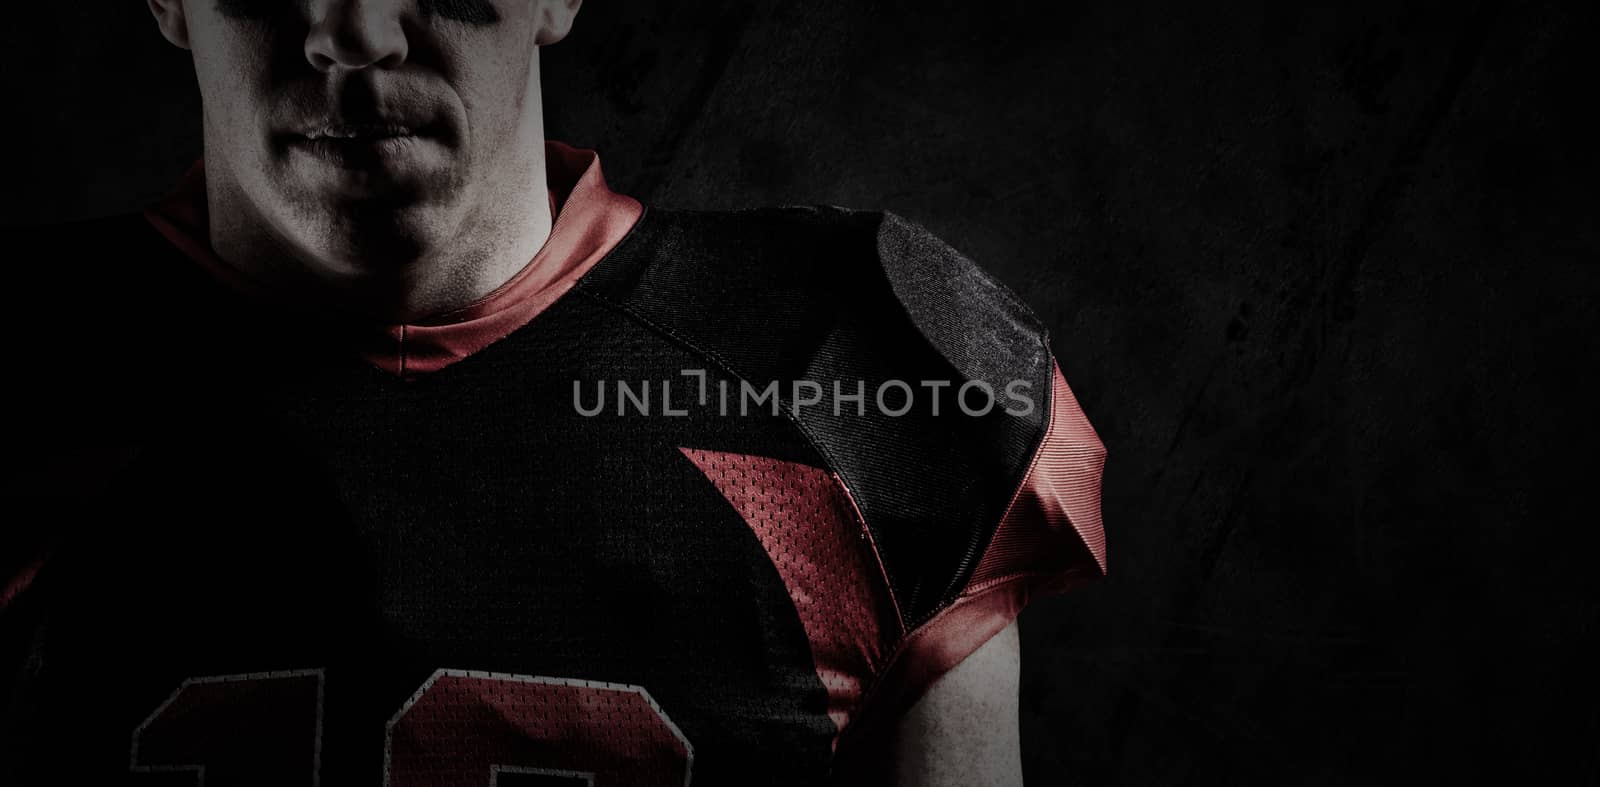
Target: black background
[1324, 281]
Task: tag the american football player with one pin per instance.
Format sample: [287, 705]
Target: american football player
[394, 446]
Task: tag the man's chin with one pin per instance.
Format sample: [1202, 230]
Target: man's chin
[362, 235]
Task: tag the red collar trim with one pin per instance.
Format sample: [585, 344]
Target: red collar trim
[590, 220]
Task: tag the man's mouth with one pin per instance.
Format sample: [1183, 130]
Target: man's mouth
[359, 132]
[364, 146]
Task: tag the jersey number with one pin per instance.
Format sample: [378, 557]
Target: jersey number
[461, 729]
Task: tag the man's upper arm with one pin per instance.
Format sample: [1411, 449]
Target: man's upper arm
[964, 730]
[944, 708]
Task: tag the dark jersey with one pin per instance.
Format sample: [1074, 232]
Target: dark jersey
[716, 514]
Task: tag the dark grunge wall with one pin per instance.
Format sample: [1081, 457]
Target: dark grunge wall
[1324, 281]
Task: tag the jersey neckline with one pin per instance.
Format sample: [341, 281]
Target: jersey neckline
[589, 221]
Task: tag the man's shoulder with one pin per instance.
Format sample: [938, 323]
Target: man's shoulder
[797, 267]
[889, 325]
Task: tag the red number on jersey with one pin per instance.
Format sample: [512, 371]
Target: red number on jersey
[237, 730]
[461, 729]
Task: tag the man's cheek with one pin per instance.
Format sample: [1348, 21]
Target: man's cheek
[478, 13]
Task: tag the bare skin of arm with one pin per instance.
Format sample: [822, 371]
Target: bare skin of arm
[964, 730]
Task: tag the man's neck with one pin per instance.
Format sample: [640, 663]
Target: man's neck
[405, 278]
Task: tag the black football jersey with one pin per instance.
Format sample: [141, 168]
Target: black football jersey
[716, 516]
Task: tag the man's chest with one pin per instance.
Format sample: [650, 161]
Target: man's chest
[504, 591]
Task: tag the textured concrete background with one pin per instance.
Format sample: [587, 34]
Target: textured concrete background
[1323, 279]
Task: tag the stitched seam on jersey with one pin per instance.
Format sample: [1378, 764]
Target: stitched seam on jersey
[1016, 494]
[872, 542]
[788, 414]
[970, 562]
